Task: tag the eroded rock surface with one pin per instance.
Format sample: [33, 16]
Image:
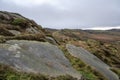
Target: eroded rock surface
[38, 57]
[92, 60]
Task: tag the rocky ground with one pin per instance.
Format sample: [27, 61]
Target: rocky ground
[27, 49]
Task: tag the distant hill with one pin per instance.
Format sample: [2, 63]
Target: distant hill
[114, 30]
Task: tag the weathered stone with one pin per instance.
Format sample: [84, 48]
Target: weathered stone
[92, 60]
[38, 57]
[15, 32]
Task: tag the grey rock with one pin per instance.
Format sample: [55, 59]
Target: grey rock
[32, 30]
[92, 60]
[15, 32]
[51, 40]
[38, 57]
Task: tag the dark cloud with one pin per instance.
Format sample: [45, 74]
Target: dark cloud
[70, 13]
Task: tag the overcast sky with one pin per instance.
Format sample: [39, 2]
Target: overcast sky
[67, 13]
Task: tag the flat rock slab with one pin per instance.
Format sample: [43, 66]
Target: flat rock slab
[92, 60]
[38, 57]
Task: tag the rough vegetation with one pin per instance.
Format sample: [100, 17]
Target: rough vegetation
[103, 44]
[88, 72]
[116, 70]
[107, 49]
[8, 73]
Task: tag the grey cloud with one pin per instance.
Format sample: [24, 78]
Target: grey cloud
[75, 13]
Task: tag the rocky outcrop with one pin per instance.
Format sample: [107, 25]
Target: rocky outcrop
[38, 57]
[92, 60]
[17, 23]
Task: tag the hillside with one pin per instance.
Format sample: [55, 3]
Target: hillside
[30, 52]
[21, 51]
[103, 44]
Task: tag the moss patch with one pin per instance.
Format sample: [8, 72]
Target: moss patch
[20, 21]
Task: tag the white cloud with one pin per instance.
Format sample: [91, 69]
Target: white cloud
[103, 28]
[28, 3]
